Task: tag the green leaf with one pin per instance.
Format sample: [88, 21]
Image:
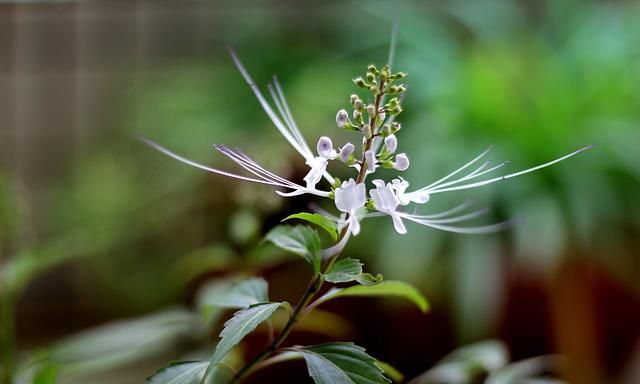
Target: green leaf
[240, 325]
[190, 372]
[301, 240]
[385, 288]
[319, 220]
[341, 363]
[46, 375]
[391, 371]
[349, 269]
[344, 270]
[240, 294]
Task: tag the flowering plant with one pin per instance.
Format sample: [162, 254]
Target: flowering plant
[373, 119]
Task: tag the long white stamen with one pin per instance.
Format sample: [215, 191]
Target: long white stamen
[267, 108]
[467, 203]
[460, 218]
[175, 156]
[496, 179]
[253, 167]
[292, 123]
[457, 170]
[467, 230]
[473, 175]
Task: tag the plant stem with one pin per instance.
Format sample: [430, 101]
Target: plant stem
[317, 280]
[313, 287]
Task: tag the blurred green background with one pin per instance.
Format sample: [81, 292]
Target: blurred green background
[95, 226]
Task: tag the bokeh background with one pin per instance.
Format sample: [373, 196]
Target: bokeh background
[95, 227]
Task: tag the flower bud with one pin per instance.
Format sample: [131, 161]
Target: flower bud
[342, 118]
[371, 110]
[346, 151]
[395, 127]
[359, 81]
[325, 147]
[353, 98]
[386, 130]
[391, 143]
[372, 68]
[366, 131]
[371, 77]
[401, 163]
[370, 159]
[358, 104]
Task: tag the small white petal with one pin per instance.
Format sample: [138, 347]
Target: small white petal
[370, 159]
[401, 163]
[342, 118]
[346, 151]
[318, 167]
[350, 196]
[391, 142]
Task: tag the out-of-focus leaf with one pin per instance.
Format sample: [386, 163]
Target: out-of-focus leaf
[385, 288]
[46, 375]
[334, 363]
[300, 240]
[240, 294]
[532, 370]
[319, 220]
[466, 364]
[319, 322]
[126, 341]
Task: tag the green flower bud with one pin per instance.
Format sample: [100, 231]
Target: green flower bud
[371, 77]
[359, 81]
[372, 68]
[398, 76]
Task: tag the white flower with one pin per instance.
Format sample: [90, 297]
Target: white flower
[325, 148]
[346, 151]
[400, 185]
[350, 199]
[391, 142]
[370, 159]
[385, 199]
[342, 118]
[318, 167]
[402, 162]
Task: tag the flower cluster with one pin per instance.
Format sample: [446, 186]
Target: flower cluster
[374, 119]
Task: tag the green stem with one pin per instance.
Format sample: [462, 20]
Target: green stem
[317, 280]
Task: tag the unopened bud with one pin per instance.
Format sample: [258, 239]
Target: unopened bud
[371, 77]
[395, 127]
[371, 110]
[386, 130]
[372, 68]
[346, 152]
[370, 159]
[342, 118]
[366, 131]
[391, 143]
[401, 163]
[359, 81]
